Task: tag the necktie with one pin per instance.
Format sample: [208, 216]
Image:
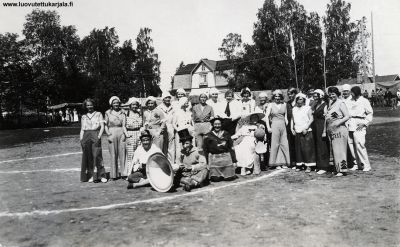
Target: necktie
[228, 110]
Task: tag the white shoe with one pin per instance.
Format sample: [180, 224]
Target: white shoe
[90, 180]
[285, 167]
[354, 168]
[366, 169]
[104, 180]
[339, 174]
[320, 172]
[243, 172]
[278, 168]
[294, 168]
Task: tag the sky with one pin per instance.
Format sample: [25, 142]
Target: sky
[189, 30]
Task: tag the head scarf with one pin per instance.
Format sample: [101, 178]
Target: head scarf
[346, 87]
[150, 98]
[320, 92]
[181, 90]
[113, 98]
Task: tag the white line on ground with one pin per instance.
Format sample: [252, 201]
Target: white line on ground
[152, 200]
[42, 170]
[44, 157]
[40, 157]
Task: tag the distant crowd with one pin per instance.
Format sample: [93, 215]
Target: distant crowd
[222, 138]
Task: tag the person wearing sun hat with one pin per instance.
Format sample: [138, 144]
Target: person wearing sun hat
[202, 113]
[216, 103]
[245, 148]
[322, 152]
[133, 124]
[301, 128]
[138, 175]
[277, 112]
[169, 136]
[263, 102]
[193, 170]
[219, 153]
[115, 128]
[154, 121]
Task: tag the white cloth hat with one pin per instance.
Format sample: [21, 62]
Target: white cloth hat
[182, 101]
[166, 95]
[302, 95]
[132, 100]
[113, 98]
[181, 90]
[150, 98]
[320, 92]
[213, 90]
[277, 92]
[346, 87]
[263, 94]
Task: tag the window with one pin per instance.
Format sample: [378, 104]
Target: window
[203, 80]
[203, 68]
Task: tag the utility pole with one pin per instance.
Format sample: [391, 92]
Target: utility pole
[363, 51]
[373, 49]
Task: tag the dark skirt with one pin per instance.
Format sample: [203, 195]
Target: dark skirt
[92, 156]
[221, 165]
[321, 145]
[229, 126]
[305, 150]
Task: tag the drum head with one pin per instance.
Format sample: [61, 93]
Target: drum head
[159, 172]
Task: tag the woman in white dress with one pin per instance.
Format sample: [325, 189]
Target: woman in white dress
[181, 120]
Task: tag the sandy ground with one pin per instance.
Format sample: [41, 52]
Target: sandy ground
[287, 209]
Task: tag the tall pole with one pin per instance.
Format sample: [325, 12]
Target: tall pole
[373, 49]
[363, 50]
[324, 74]
[295, 72]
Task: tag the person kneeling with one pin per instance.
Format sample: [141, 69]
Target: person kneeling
[138, 177]
[192, 165]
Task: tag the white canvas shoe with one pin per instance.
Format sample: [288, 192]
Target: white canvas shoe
[90, 180]
[354, 168]
[104, 180]
[366, 169]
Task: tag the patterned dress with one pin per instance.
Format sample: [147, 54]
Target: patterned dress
[133, 124]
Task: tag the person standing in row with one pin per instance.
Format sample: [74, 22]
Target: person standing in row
[92, 127]
[169, 136]
[154, 121]
[360, 117]
[182, 120]
[231, 114]
[134, 122]
[115, 129]
[336, 118]
[263, 103]
[277, 112]
[321, 143]
[248, 104]
[301, 129]
[291, 93]
[202, 113]
[216, 103]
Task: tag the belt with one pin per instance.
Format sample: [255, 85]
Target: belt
[358, 117]
[133, 129]
[201, 121]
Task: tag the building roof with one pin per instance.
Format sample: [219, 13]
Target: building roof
[211, 64]
[385, 78]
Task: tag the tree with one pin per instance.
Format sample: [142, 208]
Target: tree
[55, 58]
[15, 73]
[341, 35]
[147, 67]
[231, 47]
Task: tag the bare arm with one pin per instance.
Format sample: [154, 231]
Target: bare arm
[267, 113]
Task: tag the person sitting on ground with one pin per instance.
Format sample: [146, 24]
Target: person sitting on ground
[138, 177]
[192, 165]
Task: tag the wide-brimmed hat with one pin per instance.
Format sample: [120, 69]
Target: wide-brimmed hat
[145, 133]
[216, 118]
[113, 98]
[184, 135]
[247, 117]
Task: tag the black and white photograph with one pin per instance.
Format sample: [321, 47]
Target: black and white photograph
[199, 123]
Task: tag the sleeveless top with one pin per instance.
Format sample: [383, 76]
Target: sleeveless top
[114, 119]
[332, 109]
[278, 113]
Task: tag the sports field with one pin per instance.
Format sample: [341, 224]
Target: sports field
[42, 202]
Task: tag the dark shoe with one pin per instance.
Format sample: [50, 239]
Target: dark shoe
[187, 187]
[130, 186]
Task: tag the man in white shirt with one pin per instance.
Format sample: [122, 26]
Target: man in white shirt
[138, 177]
[361, 116]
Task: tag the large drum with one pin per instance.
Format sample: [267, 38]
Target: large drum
[159, 172]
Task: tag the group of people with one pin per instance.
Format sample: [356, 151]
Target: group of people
[383, 98]
[221, 137]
